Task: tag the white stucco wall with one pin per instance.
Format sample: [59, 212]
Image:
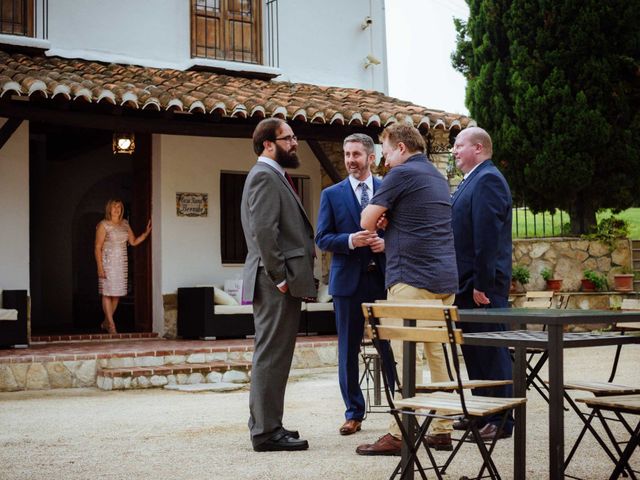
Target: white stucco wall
[190, 247]
[320, 41]
[14, 214]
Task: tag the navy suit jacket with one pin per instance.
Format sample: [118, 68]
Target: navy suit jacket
[338, 217]
[481, 219]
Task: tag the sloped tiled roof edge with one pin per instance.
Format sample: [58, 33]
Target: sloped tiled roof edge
[208, 93]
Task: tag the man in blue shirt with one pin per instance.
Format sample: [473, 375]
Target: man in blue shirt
[421, 260]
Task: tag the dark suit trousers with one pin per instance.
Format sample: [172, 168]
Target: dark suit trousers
[487, 363]
[350, 327]
[276, 318]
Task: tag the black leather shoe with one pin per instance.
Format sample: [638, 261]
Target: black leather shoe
[291, 433]
[461, 425]
[281, 442]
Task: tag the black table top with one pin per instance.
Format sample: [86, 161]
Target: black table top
[546, 316]
[527, 338]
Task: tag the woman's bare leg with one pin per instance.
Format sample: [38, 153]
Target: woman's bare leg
[114, 306]
[107, 308]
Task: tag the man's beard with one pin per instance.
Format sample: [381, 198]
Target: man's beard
[286, 159]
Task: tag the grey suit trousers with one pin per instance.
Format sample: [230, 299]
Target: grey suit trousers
[277, 318]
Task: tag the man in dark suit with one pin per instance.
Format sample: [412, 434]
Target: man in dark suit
[357, 266]
[482, 234]
[278, 273]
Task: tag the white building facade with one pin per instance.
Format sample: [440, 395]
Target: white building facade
[190, 78]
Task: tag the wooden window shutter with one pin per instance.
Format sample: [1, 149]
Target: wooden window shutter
[227, 30]
[16, 17]
[233, 247]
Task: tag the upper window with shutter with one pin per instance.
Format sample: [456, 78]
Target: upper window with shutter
[227, 30]
[16, 17]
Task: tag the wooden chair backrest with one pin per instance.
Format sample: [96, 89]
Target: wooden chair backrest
[630, 304]
[412, 311]
[538, 299]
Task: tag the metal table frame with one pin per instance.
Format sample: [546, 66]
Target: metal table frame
[554, 341]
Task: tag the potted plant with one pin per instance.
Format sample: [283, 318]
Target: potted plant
[520, 274]
[623, 281]
[593, 281]
[554, 284]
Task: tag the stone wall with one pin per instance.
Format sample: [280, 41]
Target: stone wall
[567, 258]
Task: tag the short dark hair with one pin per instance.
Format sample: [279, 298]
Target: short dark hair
[407, 134]
[363, 139]
[265, 130]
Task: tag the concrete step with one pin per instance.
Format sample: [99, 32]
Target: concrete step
[126, 378]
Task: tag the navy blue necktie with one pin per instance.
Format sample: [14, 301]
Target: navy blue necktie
[364, 197]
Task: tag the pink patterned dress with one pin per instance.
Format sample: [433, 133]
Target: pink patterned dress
[114, 259]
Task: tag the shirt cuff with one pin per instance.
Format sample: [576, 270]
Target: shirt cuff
[282, 284]
[351, 247]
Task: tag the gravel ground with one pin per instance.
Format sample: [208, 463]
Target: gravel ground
[88, 433]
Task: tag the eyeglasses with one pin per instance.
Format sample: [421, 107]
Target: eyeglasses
[288, 138]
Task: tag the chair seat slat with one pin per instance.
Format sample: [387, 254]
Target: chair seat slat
[452, 386]
[449, 403]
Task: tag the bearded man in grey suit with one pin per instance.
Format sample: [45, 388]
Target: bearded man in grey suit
[278, 273]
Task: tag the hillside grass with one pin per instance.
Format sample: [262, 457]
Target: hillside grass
[547, 225]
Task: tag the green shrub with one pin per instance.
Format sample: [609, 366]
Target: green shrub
[521, 274]
[609, 230]
[599, 280]
[546, 274]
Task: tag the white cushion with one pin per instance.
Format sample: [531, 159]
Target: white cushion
[323, 294]
[320, 307]
[220, 297]
[232, 309]
[8, 314]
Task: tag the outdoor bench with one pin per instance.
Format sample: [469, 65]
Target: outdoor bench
[199, 317]
[13, 318]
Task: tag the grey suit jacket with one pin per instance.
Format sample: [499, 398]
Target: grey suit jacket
[278, 232]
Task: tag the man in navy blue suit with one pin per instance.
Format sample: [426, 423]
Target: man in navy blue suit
[357, 266]
[481, 219]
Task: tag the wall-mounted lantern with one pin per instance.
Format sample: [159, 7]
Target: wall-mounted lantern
[124, 143]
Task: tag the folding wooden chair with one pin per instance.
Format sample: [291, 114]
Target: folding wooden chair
[600, 390]
[537, 357]
[453, 405]
[627, 304]
[618, 405]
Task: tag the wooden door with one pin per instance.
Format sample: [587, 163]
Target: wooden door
[140, 214]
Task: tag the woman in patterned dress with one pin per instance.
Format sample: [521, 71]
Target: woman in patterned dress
[112, 235]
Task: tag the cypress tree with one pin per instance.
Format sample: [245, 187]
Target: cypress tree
[557, 84]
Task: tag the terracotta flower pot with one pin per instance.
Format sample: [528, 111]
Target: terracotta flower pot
[588, 285]
[554, 284]
[623, 282]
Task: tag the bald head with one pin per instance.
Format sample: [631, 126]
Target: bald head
[473, 146]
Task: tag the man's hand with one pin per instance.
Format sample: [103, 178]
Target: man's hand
[377, 244]
[362, 238]
[284, 288]
[382, 222]
[480, 298]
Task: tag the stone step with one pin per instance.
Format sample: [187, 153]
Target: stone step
[126, 378]
[93, 337]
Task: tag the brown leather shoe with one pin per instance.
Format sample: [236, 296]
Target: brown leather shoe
[385, 445]
[350, 427]
[490, 431]
[439, 441]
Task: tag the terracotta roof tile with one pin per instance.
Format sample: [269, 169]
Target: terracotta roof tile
[209, 93]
